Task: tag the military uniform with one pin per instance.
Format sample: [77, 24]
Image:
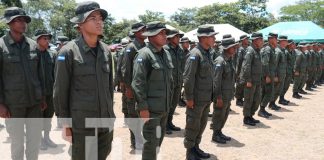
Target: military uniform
[152, 86]
[291, 58]
[83, 89]
[239, 90]
[21, 91]
[300, 66]
[224, 89]
[178, 57]
[198, 86]
[251, 72]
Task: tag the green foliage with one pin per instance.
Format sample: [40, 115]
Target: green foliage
[150, 16]
[184, 18]
[10, 3]
[304, 10]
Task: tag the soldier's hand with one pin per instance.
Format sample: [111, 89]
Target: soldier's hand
[276, 79]
[145, 115]
[268, 79]
[129, 93]
[67, 133]
[296, 73]
[219, 103]
[4, 112]
[190, 103]
[248, 84]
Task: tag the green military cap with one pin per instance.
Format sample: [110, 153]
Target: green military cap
[228, 43]
[290, 41]
[137, 27]
[154, 28]
[256, 35]
[206, 31]
[14, 12]
[173, 32]
[227, 36]
[124, 42]
[302, 44]
[272, 34]
[243, 37]
[41, 32]
[282, 38]
[184, 39]
[84, 9]
[61, 39]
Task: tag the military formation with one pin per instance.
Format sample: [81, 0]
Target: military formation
[78, 81]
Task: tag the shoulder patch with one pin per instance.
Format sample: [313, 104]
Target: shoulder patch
[139, 60]
[192, 58]
[218, 65]
[128, 50]
[61, 58]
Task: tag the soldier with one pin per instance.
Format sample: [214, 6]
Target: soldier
[300, 72]
[310, 67]
[198, 87]
[318, 64]
[280, 73]
[119, 76]
[127, 73]
[291, 58]
[61, 41]
[178, 57]
[322, 63]
[42, 37]
[152, 86]
[193, 44]
[250, 75]
[268, 59]
[21, 93]
[239, 91]
[224, 89]
[83, 85]
[185, 45]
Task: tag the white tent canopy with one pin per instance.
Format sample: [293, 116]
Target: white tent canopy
[221, 28]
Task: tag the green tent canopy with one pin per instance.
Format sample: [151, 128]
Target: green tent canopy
[297, 31]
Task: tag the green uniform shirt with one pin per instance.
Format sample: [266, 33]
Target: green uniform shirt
[83, 85]
[47, 70]
[268, 58]
[281, 59]
[291, 58]
[20, 83]
[239, 60]
[301, 62]
[251, 67]
[178, 62]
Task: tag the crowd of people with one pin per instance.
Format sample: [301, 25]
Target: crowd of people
[154, 76]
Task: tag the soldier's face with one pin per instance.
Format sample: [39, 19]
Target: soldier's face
[258, 42]
[43, 41]
[93, 24]
[283, 43]
[159, 39]
[18, 25]
[273, 41]
[175, 40]
[185, 45]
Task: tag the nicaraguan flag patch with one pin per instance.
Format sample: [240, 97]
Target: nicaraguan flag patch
[218, 65]
[193, 58]
[139, 60]
[128, 50]
[61, 58]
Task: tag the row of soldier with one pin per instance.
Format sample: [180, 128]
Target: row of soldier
[151, 77]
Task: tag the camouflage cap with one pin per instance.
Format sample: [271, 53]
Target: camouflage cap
[14, 12]
[206, 31]
[173, 32]
[84, 9]
[228, 43]
[227, 36]
[243, 37]
[283, 38]
[272, 34]
[184, 39]
[137, 27]
[41, 32]
[256, 35]
[154, 28]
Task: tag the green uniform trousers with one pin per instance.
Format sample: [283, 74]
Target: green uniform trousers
[48, 114]
[220, 115]
[279, 86]
[252, 99]
[286, 84]
[239, 91]
[174, 101]
[299, 81]
[267, 93]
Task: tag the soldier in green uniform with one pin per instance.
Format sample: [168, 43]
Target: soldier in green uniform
[239, 90]
[127, 73]
[300, 72]
[318, 64]
[291, 58]
[268, 59]
[83, 86]
[322, 63]
[311, 67]
[152, 86]
[21, 93]
[178, 57]
[250, 75]
[185, 45]
[42, 37]
[198, 87]
[281, 71]
[224, 89]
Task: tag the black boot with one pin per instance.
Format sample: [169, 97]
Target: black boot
[48, 140]
[262, 112]
[200, 153]
[227, 138]
[218, 138]
[191, 154]
[132, 139]
[313, 86]
[302, 92]
[248, 121]
[309, 88]
[273, 106]
[168, 130]
[239, 102]
[296, 95]
[282, 101]
[254, 120]
[173, 127]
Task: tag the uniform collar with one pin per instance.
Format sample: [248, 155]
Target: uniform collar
[153, 49]
[12, 41]
[85, 46]
[138, 44]
[202, 49]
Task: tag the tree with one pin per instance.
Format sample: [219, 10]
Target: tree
[10, 3]
[304, 10]
[150, 16]
[185, 18]
[115, 32]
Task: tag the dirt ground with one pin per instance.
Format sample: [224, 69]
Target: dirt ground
[296, 132]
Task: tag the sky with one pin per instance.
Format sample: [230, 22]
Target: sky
[130, 9]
